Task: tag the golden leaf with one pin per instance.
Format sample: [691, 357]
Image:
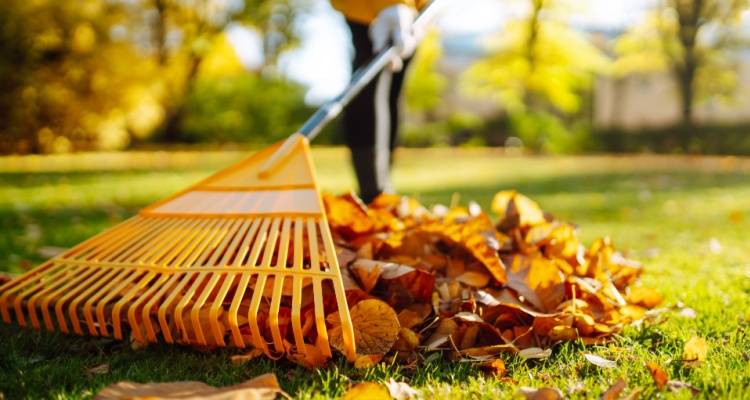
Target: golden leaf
[375, 328]
[494, 367]
[645, 297]
[367, 391]
[695, 351]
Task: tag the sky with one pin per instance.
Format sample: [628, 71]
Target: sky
[322, 61]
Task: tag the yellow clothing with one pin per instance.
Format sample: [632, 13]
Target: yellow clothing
[364, 11]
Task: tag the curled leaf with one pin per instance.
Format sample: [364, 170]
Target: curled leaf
[658, 374]
[535, 353]
[400, 390]
[599, 361]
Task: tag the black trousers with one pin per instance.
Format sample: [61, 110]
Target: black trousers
[372, 137]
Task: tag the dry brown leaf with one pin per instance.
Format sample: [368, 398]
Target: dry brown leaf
[259, 388]
[407, 341]
[515, 209]
[545, 393]
[375, 328]
[243, 358]
[554, 288]
[313, 357]
[645, 297]
[347, 214]
[599, 361]
[658, 374]
[535, 353]
[99, 369]
[613, 393]
[474, 278]
[400, 390]
[367, 391]
[695, 351]
[495, 367]
[367, 361]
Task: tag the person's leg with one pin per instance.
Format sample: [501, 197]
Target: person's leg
[359, 120]
[371, 121]
[395, 105]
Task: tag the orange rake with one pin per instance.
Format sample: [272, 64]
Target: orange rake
[226, 260]
[236, 259]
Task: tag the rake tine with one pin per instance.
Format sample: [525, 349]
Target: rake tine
[185, 261]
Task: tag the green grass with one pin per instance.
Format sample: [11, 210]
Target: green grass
[663, 211]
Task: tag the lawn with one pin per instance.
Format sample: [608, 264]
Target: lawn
[685, 218]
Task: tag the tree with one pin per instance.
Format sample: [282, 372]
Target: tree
[693, 39]
[425, 85]
[199, 24]
[66, 83]
[537, 64]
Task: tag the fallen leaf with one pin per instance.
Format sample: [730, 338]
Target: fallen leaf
[400, 390]
[99, 369]
[376, 328]
[367, 361]
[243, 358]
[495, 367]
[613, 393]
[407, 340]
[535, 353]
[259, 388]
[468, 317]
[645, 297]
[695, 351]
[366, 391]
[600, 361]
[473, 278]
[545, 393]
[658, 374]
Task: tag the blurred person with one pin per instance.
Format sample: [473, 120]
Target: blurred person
[371, 121]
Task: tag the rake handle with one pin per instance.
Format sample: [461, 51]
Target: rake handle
[333, 108]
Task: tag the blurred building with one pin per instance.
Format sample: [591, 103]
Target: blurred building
[644, 101]
[652, 100]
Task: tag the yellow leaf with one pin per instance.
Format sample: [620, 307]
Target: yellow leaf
[695, 351]
[367, 391]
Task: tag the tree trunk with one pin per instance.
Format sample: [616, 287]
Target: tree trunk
[689, 18]
[172, 131]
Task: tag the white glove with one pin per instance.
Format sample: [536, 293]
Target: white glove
[394, 24]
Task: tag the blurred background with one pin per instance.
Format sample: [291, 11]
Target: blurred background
[552, 76]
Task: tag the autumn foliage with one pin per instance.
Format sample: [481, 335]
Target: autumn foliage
[458, 280]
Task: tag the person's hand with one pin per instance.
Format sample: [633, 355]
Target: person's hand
[394, 24]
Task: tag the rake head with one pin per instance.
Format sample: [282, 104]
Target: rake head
[237, 259]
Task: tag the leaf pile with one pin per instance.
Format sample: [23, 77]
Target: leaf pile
[457, 280]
